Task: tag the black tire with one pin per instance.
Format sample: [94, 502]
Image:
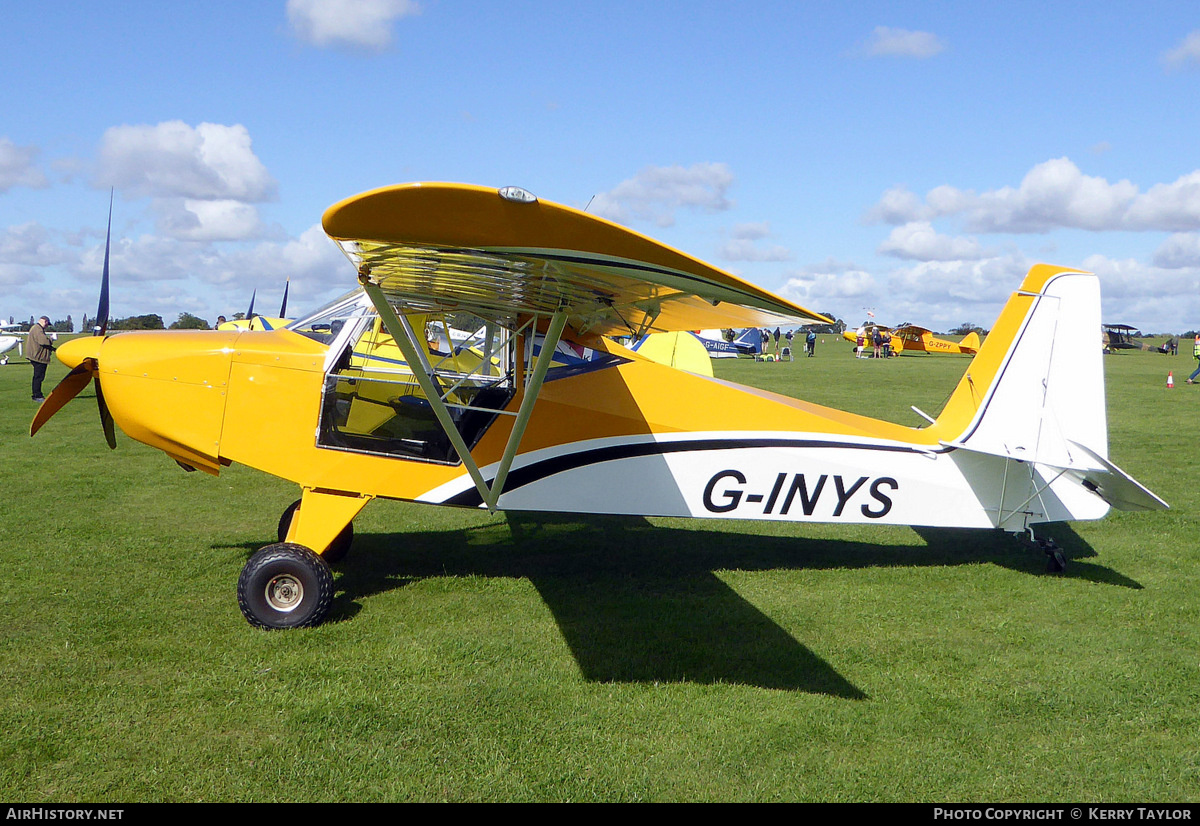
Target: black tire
[285, 586]
[336, 552]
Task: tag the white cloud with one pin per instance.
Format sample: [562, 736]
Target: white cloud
[1154, 299]
[311, 260]
[987, 281]
[742, 249]
[920, 242]
[743, 244]
[888, 42]
[1180, 250]
[30, 244]
[355, 24]
[898, 205]
[16, 167]
[826, 286]
[1053, 195]
[1186, 54]
[656, 192]
[18, 276]
[1174, 207]
[172, 159]
[191, 220]
[751, 230]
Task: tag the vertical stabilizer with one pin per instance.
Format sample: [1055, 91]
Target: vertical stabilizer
[1028, 420]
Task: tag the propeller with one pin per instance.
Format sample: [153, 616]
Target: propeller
[283, 306]
[250, 312]
[101, 322]
[88, 366]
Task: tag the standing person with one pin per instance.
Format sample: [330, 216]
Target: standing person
[810, 344]
[1196, 353]
[877, 341]
[38, 353]
[887, 344]
[858, 343]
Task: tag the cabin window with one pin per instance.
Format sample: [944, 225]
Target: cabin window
[326, 323]
[372, 402]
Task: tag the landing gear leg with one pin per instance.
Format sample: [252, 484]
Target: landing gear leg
[340, 546]
[321, 520]
[1056, 563]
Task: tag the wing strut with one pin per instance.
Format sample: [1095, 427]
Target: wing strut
[532, 387]
[404, 337]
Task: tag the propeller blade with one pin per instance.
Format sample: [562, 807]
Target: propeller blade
[102, 311]
[106, 419]
[250, 312]
[66, 390]
[283, 306]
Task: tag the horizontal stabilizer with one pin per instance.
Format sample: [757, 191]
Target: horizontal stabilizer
[1099, 475]
[1115, 486]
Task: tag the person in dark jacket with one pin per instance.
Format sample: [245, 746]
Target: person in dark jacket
[38, 349]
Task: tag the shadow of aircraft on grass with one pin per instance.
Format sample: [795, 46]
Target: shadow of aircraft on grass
[637, 602]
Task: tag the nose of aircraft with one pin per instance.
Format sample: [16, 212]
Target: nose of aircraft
[164, 388]
[73, 352]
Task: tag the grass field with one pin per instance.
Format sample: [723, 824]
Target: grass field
[491, 658]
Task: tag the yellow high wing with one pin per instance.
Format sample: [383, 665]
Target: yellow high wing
[503, 253]
[511, 259]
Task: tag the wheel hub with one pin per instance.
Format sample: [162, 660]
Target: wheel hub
[284, 592]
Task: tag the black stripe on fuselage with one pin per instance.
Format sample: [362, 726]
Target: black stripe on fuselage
[537, 471]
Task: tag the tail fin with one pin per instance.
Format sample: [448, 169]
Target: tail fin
[750, 341]
[1029, 415]
[970, 342]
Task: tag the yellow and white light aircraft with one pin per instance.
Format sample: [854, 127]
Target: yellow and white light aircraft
[509, 425]
[913, 339]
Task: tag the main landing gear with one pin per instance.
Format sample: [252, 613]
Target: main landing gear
[287, 585]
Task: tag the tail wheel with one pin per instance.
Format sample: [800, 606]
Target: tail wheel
[336, 552]
[285, 586]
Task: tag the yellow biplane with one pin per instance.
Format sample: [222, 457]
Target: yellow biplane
[542, 412]
[914, 339]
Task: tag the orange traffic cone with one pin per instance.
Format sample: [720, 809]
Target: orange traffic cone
[1170, 379]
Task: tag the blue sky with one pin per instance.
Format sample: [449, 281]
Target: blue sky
[912, 158]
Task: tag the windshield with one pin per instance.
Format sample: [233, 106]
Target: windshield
[324, 324]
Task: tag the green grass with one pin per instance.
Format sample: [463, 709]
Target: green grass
[474, 657]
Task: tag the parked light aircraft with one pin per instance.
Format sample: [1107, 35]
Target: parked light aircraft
[911, 338]
[11, 338]
[254, 321]
[1022, 440]
[748, 343]
[8, 343]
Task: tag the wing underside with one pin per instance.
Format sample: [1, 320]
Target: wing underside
[449, 247]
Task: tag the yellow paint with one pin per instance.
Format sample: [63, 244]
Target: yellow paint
[683, 351]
